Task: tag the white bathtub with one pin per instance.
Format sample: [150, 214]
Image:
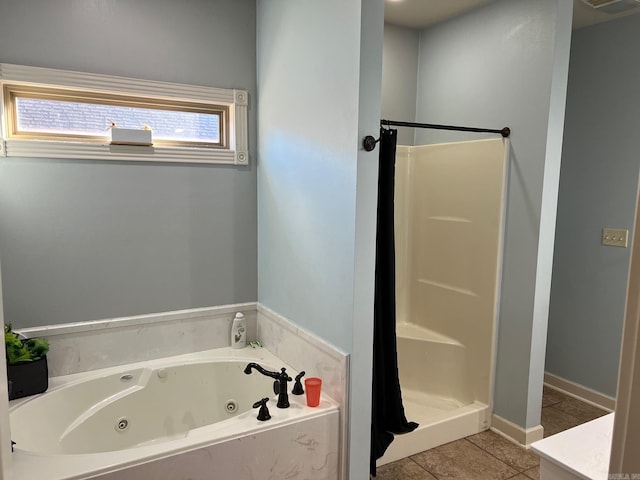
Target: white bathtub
[170, 419]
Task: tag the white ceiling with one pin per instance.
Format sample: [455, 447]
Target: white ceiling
[423, 13]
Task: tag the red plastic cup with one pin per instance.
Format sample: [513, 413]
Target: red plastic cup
[312, 388]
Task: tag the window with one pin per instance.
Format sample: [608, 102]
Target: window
[53, 113]
[49, 114]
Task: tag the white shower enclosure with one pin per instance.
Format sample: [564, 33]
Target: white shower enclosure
[450, 208]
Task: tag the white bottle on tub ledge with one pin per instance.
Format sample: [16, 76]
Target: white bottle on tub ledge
[239, 332]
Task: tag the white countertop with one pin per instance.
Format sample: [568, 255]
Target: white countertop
[584, 450]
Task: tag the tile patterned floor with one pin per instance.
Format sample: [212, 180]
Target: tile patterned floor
[487, 455]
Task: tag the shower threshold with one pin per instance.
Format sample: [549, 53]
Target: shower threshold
[442, 420]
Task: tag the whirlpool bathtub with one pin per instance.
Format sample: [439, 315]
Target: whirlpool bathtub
[188, 417]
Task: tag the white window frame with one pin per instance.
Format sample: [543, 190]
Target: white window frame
[236, 100]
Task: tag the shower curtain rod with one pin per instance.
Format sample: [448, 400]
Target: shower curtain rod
[369, 142]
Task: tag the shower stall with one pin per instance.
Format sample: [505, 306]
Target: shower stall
[449, 213]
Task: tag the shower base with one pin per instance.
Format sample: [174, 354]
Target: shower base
[442, 420]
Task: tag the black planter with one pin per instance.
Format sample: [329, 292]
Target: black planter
[28, 378]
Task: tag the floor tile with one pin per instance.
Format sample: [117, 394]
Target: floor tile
[555, 421]
[403, 469]
[583, 412]
[534, 473]
[551, 396]
[513, 455]
[488, 455]
[462, 460]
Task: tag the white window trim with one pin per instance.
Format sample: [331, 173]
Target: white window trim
[236, 100]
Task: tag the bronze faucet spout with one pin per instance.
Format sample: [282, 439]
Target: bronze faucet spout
[281, 381]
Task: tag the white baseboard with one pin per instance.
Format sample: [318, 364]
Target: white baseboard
[516, 433]
[580, 392]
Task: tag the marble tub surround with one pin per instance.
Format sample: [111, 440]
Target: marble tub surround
[84, 346]
[298, 442]
[305, 351]
[305, 455]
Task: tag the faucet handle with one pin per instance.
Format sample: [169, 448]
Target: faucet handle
[263, 413]
[281, 377]
[297, 387]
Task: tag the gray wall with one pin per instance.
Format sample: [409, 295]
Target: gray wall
[307, 169]
[506, 65]
[84, 240]
[598, 185]
[399, 77]
[316, 188]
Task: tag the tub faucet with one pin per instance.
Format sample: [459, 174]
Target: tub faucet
[281, 381]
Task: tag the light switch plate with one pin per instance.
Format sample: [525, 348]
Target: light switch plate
[615, 237]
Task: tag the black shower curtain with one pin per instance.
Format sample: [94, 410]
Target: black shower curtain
[387, 415]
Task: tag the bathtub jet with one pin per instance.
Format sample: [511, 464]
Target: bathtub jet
[189, 414]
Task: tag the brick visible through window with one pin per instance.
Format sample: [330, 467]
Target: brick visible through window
[49, 113]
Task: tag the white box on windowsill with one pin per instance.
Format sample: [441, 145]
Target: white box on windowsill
[131, 136]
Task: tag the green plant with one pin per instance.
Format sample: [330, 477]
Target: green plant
[19, 351]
